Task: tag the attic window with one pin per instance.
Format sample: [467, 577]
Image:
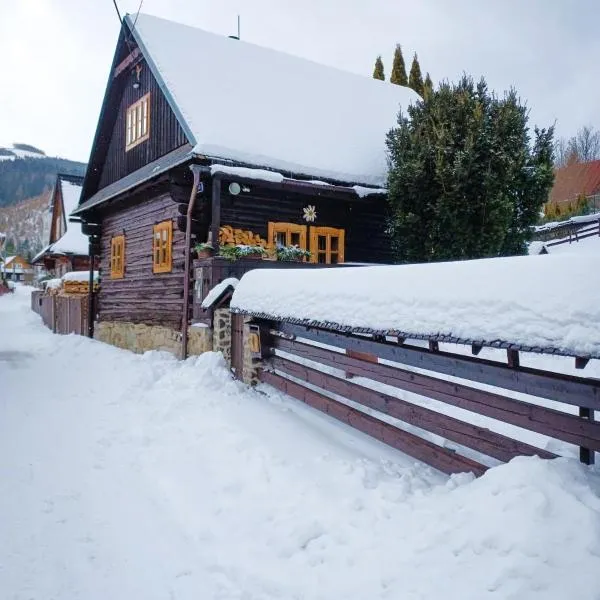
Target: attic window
[138, 122]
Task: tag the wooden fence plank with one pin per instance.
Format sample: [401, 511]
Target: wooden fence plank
[472, 436]
[440, 458]
[563, 388]
[553, 423]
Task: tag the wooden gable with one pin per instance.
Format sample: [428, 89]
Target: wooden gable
[130, 79]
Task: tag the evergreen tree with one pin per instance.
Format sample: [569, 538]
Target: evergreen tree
[415, 79]
[399, 68]
[427, 86]
[464, 180]
[378, 72]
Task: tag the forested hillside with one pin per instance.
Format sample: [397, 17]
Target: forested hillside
[25, 173]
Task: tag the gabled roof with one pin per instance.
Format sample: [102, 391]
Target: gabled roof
[572, 180]
[265, 108]
[73, 241]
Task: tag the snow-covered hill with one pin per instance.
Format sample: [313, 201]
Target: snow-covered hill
[20, 151]
[26, 223]
[129, 476]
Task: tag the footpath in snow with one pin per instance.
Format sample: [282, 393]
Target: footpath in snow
[140, 477]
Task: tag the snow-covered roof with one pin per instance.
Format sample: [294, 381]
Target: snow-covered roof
[218, 290]
[266, 108]
[277, 177]
[70, 195]
[544, 302]
[79, 276]
[73, 241]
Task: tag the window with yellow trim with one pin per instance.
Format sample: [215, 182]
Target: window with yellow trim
[117, 257]
[162, 239]
[327, 245]
[137, 124]
[287, 234]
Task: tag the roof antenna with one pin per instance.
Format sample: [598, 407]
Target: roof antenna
[236, 37]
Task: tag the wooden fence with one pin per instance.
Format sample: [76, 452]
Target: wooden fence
[576, 235]
[62, 314]
[341, 375]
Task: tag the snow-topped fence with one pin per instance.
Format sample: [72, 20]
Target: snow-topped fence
[62, 314]
[342, 342]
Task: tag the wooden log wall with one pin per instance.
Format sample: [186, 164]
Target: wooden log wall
[142, 296]
[287, 348]
[364, 220]
[165, 132]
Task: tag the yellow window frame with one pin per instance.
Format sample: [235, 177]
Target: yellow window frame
[328, 233]
[137, 122]
[117, 257]
[288, 229]
[162, 242]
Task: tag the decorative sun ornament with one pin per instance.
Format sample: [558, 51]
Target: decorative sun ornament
[310, 213]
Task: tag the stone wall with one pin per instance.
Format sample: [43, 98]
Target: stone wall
[222, 332]
[140, 338]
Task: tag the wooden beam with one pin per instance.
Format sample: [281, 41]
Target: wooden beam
[569, 389]
[547, 421]
[472, 436]
[126, 62]
[216, 213]
[440, 458]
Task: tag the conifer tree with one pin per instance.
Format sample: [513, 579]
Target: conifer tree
[399, 68]
[468, 178]
[378, 72]
[427, 86]
[415, 79]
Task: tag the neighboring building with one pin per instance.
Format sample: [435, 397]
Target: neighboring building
[67, 248]
[574, 182]
[16, 268]
[290, 152]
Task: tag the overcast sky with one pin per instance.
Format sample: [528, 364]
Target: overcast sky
[55, 54]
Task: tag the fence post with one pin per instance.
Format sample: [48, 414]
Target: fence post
[256, 349]
[586, 455]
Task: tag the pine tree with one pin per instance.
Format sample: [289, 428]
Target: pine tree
[415, 79]
[427, 86]
[399, 68]
[378, 72]
[465, 181]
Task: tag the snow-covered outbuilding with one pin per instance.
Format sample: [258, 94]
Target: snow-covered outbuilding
[67, 248]
[285, 152]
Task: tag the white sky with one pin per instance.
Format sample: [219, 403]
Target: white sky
[55, 54]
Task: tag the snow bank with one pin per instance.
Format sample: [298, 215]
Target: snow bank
[79, 276]
[52, 284]
[547, 301]
[148, 477]
[271, 109]
[217, 290]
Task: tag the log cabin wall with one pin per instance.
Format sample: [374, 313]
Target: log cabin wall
[364, 221]
[165, 132]
[142, 296]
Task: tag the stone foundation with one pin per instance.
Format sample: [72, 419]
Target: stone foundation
[222, 332]
[200, 340]
[140, 338]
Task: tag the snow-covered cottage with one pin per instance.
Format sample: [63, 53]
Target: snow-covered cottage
[16, 268]
[67, 248]
[285, 152]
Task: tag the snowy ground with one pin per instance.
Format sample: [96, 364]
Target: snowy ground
[140, 477]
